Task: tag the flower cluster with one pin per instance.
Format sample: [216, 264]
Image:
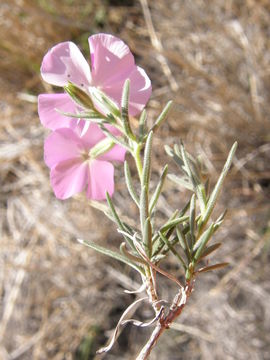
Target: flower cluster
[77, 151]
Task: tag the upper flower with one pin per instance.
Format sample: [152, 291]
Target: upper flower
[111, 64]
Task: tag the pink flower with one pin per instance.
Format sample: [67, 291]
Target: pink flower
[111, 64]
[75, 165]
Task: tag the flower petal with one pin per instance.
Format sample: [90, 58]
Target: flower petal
[69, 177]
[61, 145]
[140, 90]
[101, 180]
[117, 153]
[111, 59]
[63, 63]
[48, 104]
[92, 135]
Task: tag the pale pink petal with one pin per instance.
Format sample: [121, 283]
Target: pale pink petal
[92, 136]
[63, 63]
[111, 59]
[69, 177]
[61, 145]
[101, 180]
[50, 117]
[117, 153]
[140, 90]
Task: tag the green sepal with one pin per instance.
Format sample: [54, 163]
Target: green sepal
[79, 96]
[101, 147]
[106, 102]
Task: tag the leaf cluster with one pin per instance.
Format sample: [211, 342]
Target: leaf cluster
[188, 232]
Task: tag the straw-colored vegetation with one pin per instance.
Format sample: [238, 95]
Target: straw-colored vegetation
[58, 299]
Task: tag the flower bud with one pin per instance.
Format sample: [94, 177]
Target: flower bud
[79, 96]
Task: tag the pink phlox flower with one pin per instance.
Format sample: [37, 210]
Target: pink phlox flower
[73, 168]
[112, 64]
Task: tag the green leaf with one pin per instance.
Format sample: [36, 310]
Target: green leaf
[202, 242]
[162, 117]
[90, 116]
[117, 220]
[111, 254]
[142, 125]
[114, 138]
[172, 249]
[181, 181]
[129, 183]
[213, 267]
[124, 110]
[192, 214]
[158, 189]
[192, 176]
[183, 242]
[158, 244]
[147, 160]
[133, 258]
[209, 250]
[176, 158]
[172, 223]
[214, 195]
[114, 213]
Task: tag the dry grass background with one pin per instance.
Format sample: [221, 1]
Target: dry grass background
[58, 299]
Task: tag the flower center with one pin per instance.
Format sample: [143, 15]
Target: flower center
[85, 155]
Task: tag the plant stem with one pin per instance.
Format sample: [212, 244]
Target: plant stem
[164, 322]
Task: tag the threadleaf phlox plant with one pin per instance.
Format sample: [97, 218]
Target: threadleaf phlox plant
[91, 129]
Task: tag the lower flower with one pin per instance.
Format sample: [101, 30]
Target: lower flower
[76, 165]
